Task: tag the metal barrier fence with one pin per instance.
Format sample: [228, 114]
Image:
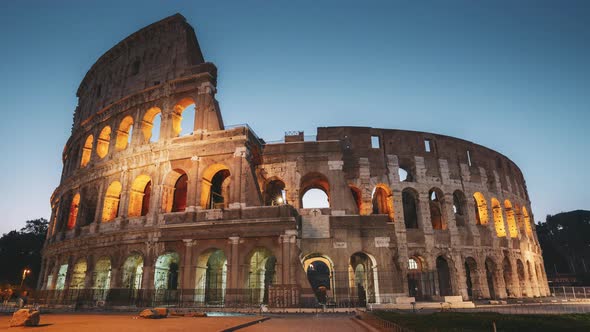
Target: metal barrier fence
[570, 292]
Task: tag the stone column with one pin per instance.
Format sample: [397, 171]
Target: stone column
[188, 281]
[234, 264]
[238, 185]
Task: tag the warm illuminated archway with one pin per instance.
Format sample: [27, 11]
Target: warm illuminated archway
[150, 132]
[274, 192]
[512, 228]
[183, 116]
[102, 144]
[481, 209]
[357, 197]
[319, 270]
[87, 151]
[124, 133]
[175, 191]
[78, 274]
[110, 208]
[215, 187]
[527, 221]
[383, 201]
[74, 208]
[498, 218]
[139, 196]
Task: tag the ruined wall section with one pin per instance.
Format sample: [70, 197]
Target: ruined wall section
[157, 53]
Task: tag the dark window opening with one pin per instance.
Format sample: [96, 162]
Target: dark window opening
[145, 203]
[135, 67]
[180, 190]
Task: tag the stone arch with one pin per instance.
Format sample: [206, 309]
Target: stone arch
[78, 274]
[175, 191]
[132, 271]
[473, 282]
[443, 271]
[215, 187]
[179, 113]
[410, 205]
[357, 197]
[112, 198]
[319, 270]
[103, 141]
[274, 192]
[87, 151]
[436, 202]
[314, 180]
[139, 196]
[166, 275]
[507, 273]
[211, 277]
[498, 218]
[74, 209]
[491, 268]
[124, 133]
[382, 199]
[510, 218]
[147, 124]
[261, 274]
[421, 283]
[481, 209]
[460, 208]
[101, 278]
[364, 278]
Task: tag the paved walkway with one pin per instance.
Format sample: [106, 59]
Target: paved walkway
[308, 323]
[107, 322]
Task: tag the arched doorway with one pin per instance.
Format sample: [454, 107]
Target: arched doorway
[133, 272]
[215, 187]
[444, 277]
[211, 277]
[471, 278]
[166, 276]
[101, 279]
[521, 278]
[363, 279]
[78, 274]
[490, 271]
[274, 193]
[507, 274]
[410, 205]
[319, 271]
[261, 275]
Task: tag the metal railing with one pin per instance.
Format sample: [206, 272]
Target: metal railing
[570, 292]
[381, 324]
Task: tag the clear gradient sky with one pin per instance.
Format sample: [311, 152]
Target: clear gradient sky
[510, 75]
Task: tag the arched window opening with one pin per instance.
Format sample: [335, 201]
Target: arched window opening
[436, 204]
[112, 198]
[211, 277]
[274, 193]
[481, 209]
[410, 203]
[215, 187]
[527, 221]
[150, 126]
[261, 275]
[315, 191]
[87, 151]
[78, 274]
[512, 229]
[383, 201]
[124, 133]
[180, 192]
[74, 208]
[133, 273]
[183, 122]
[139, 200]
[102, 144]
[444, 277]
[357, 197]
[459, 203]
[498, 218]
[490, 277]
[166, 277]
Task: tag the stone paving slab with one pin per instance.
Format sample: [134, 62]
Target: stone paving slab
[112, 322]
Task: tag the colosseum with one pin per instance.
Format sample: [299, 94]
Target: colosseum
[159, 201]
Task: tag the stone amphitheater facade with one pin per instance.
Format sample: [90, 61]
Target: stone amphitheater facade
[220, 216]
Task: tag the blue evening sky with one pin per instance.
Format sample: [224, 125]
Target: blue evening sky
[510, 75]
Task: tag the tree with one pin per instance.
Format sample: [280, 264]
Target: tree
[22, 249]
[565, 240]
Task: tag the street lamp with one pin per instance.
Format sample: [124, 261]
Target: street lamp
[25, 272]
